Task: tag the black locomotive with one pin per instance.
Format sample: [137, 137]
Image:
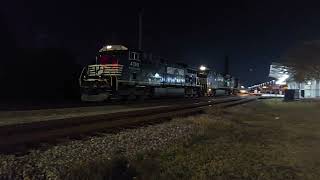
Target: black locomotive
[122, 73]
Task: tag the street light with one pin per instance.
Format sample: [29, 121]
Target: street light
[157, 75]
[202, 68]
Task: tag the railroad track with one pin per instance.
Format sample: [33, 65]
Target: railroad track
[20, 137]
[28, 107]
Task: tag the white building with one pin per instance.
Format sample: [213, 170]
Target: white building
[308, 89]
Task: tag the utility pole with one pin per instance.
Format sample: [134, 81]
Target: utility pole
[140, 29]
[226, 66]
[226, 72]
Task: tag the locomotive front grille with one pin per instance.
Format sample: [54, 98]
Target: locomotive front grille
[105, 70]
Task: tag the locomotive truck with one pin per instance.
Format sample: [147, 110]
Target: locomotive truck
[125, 73]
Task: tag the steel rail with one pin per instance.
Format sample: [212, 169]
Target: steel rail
[16, 137]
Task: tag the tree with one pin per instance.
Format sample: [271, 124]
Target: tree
[303, 62]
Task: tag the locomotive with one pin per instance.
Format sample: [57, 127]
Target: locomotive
[125, 73]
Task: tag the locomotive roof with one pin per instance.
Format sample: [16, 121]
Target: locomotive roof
[113, 47]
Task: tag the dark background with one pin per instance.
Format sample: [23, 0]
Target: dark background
[64, 35]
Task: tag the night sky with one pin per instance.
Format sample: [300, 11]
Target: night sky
[251, 33]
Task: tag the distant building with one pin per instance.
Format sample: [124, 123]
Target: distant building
[307, 89]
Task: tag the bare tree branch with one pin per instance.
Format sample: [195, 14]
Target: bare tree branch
[303, 61]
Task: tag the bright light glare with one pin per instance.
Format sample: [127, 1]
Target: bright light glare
[243, 91]
[109, 47]
[203, 68]
[156, 75]
[242, 86]
[282, 79]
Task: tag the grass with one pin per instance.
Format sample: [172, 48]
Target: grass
[117, 168]
[269, 139]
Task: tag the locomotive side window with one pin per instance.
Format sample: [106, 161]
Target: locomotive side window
[107, 59]
[134, 56]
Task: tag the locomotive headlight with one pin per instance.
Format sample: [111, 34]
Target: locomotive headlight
[209, 89]
[202, 68]
[109, 47]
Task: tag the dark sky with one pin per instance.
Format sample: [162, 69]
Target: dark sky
[251, 33]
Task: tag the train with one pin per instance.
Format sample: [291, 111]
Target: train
[119, 72]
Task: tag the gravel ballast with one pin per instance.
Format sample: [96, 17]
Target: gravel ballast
[57, 160]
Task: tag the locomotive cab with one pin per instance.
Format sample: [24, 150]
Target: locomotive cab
[100, 80]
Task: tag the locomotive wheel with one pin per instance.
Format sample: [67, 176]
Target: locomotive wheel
[124, 98]
[132, 97]
[141, 98]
